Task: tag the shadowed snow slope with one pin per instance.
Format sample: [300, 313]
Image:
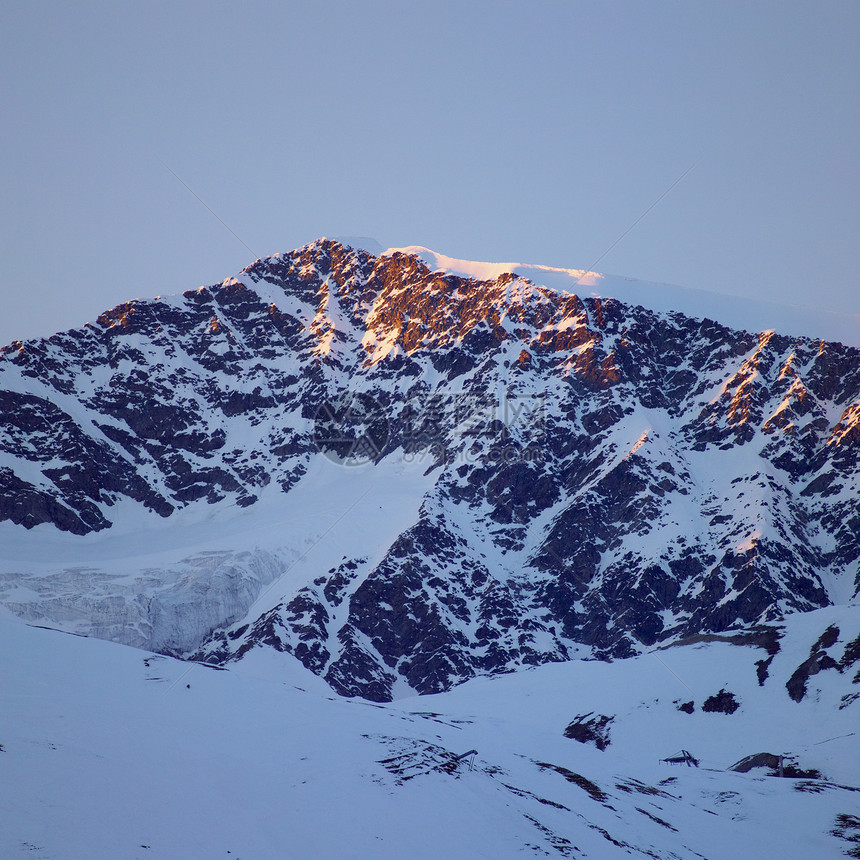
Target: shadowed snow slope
[107, 751]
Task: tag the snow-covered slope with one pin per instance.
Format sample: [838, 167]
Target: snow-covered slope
[106, 751]
[408, 477]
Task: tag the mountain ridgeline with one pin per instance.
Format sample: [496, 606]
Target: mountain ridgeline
[597, 477]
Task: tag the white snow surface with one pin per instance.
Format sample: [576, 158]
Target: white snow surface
[107, 751]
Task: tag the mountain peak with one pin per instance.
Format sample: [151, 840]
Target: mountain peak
[525, 470]
[742, 313]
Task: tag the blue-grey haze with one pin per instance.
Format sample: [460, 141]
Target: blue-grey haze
[526, 131]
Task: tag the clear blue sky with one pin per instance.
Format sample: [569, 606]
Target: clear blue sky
[526, 131]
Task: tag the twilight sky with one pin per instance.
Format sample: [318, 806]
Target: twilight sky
[535, 132]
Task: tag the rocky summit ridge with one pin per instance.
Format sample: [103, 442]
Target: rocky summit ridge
[580, 475]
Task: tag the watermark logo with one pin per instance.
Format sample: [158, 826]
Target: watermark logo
[354, 428]
[351, 429]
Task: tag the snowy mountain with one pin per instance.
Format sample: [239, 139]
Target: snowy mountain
[392, 473]
[407, 470]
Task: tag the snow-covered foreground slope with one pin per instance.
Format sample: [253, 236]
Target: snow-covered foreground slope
[112, 752]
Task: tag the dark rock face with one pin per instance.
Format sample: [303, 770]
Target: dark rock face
[818, 660]
[789, 766]
[590, 729]
[747, 763]
[723, 702]
[605, 478]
